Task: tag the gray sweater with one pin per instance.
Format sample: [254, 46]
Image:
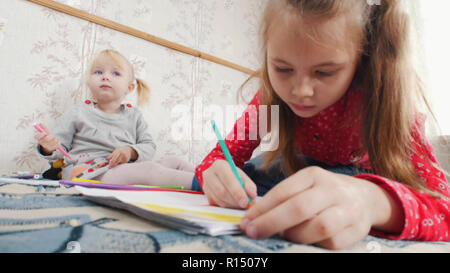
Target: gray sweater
[86, 133]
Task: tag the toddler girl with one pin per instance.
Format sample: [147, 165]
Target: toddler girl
[108, 140]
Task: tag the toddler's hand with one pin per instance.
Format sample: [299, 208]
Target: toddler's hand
[48, 142]
[222, 187]
[120, 155]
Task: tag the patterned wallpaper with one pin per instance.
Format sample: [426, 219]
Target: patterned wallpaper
[45, 55]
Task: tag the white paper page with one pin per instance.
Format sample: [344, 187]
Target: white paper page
[188, 201]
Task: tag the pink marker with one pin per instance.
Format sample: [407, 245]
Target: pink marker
[39, 128]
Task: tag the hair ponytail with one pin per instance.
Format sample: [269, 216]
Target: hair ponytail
[391, 88]
[143, 92]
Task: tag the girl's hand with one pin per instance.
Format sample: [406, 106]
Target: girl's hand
[315, 206]
[48, 142]
[121, 155]
[222, 187]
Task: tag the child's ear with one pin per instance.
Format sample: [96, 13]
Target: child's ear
[131, 87]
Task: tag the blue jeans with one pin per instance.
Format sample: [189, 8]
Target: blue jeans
[265, 180]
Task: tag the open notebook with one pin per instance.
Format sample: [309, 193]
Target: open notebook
[188, 212]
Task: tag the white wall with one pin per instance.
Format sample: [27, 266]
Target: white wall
[436, 41]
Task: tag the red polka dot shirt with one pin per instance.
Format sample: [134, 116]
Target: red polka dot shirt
[331, 137]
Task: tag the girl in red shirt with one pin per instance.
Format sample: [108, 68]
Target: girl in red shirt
[341, 73]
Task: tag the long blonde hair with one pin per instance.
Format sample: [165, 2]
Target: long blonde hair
[391, 87]
[142, 87]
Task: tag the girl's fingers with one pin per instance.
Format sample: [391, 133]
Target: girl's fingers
[325, 225]
[294, 211]
[236, 195]
[46, 130]
[117, 157]
[215, 198]
[223, 188]
[346, 237]
[46, 138]
[214, 189]
[48, 142]
[113, 160]
[286, 189]
[224, 197]
[39, 136]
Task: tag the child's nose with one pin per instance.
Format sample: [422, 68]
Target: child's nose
[303, 88]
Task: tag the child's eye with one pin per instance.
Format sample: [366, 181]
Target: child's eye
[283, 70]
[325, 73]
[98, 72]
[116, 73]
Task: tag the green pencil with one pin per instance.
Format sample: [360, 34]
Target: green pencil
[228, 156]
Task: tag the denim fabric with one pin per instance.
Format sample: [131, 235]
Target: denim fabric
[266, 180]
[195, 185]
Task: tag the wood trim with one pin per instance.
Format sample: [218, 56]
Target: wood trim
[137, 33]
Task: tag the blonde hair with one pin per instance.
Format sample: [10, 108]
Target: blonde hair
[390, 85]
[142, 88]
